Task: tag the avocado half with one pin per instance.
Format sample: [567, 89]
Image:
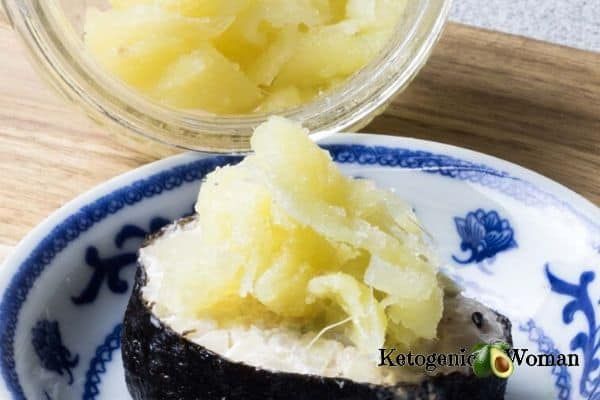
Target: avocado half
[500, 363]
[162, 364]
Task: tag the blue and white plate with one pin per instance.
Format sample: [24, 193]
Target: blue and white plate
[520, 243]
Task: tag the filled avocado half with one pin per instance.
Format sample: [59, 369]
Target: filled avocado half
[289, 283]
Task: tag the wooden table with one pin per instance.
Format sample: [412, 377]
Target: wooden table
[529, 102]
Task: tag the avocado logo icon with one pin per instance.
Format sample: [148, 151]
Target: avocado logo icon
[492, 359]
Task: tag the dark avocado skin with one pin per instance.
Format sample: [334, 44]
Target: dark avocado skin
[162, 365]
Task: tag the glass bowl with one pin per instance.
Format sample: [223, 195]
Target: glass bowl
[53, 29]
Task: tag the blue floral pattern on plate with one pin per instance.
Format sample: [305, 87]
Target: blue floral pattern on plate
[483, 234]
[109, 268]
[48, 345]
[586, 342]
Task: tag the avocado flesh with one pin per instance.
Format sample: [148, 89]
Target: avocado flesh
[161, 363]
[500, 363]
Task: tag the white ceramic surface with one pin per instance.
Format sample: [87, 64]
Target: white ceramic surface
[515, 240]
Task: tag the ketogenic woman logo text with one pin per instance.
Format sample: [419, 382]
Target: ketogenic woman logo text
[485, 359]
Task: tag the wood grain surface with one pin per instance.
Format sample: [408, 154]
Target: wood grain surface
[529, 102]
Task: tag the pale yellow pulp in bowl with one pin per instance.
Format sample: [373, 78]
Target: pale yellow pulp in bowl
[238, 56]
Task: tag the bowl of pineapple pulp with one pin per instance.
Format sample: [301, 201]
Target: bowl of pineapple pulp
[202, 74]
